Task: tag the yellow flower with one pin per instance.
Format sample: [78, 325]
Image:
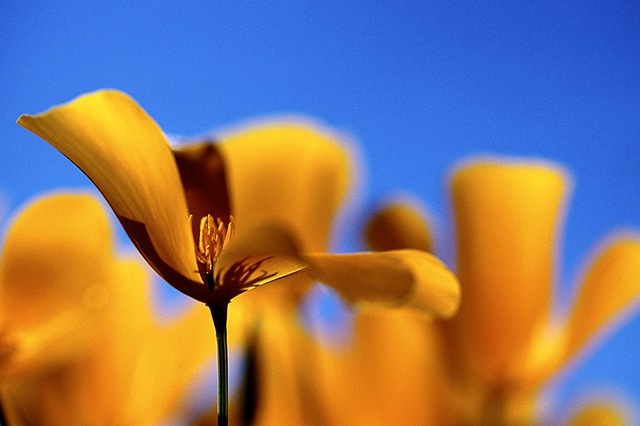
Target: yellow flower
[153, 189]
[79, 343]
[504, 343]
[594, 414]
[487, 364]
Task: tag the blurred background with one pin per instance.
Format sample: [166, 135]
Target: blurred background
[415, 86]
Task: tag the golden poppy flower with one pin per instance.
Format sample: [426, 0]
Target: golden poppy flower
[153, 190]
[79, 343]
[503, 344]
[487, 364]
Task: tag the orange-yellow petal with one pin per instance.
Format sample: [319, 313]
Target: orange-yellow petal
[124, 152]
[398, 226]
[172, 357]
[386, 377]
[393, 373]
[401, 278]
[57, 250]
[292, 175]
[126, 323]
[600, 414]
[288, 373]
[611, 288]
[507, 216]
[71, 313]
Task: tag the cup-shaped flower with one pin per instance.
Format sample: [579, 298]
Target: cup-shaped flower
[154, 189]
[79, 343]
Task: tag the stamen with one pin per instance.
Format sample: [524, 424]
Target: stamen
[214, 237]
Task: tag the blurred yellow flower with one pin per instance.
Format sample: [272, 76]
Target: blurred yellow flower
[595, 414]
[79, 342]
[504, 344]
[152, 189]
[484, 366]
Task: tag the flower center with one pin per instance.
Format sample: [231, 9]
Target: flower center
[213, 239]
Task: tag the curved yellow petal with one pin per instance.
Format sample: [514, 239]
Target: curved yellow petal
[71, 313]
[398, 225]
[57, 249]
[507, 216]
[288, 174]
[611, 288]
[398, 278]
[124, 152]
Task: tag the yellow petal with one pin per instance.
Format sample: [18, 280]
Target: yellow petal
[386, 377]
[393, 373]
[288, 371]
[609, 293]
[56, 248]
[126, 324]
[507, 216]
[599, 414]
[398, 226]
[36, 350]
[69, 307]
[124, 152]
[168, 363]
[292, 175]
[408, 278]
[611, 288]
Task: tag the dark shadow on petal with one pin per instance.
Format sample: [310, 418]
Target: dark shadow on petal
[139, 235]
[241, 274]
[249, 273]
[201, 168]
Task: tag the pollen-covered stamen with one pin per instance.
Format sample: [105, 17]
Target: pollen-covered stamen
[214, 237]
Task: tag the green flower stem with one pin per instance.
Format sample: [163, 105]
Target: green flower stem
[219, 315]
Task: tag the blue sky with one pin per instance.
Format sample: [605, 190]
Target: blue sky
[418, 85]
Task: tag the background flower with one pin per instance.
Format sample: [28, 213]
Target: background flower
[79, 338]
[509, 338]
[488, 364]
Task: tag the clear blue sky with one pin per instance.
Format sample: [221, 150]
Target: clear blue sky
[419, 85]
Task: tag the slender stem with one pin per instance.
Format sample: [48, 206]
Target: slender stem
[219, 315]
